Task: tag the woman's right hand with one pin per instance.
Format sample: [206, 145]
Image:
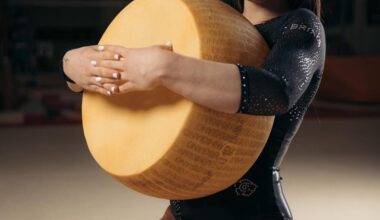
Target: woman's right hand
[80, 66]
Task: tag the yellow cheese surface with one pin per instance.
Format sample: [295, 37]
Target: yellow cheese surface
[157, 142]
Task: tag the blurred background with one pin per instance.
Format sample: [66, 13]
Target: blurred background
[46, 171]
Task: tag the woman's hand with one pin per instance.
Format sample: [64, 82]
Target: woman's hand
[80, 65]
[211, 84]
[140, 68]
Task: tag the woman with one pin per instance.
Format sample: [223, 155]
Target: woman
[284, 87]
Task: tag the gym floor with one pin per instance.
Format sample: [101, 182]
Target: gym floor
[331, 172]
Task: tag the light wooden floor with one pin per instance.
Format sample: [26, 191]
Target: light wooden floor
[46, 173]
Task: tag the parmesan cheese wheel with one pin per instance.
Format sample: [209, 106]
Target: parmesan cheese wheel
[158, 142]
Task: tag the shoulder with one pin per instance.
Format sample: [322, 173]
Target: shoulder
[304, 23]
[303, 15]
[303, 19]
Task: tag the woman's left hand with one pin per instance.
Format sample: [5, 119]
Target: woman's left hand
[140, 68]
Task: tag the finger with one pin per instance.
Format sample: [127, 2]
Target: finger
[127, 87]
[103, 53]
[99, 81]
[98, 89]
[116, 50]
[93, 63]
[106, 55]
[98, 48]
[123, 76]
[111, 87]
[167, 46]
[110, 64]
[105, 73]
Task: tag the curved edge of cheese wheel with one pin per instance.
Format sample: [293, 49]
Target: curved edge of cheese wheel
[159, 181]
[258, 56]
[217, 26]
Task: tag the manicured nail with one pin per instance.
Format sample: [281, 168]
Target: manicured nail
[109, 93]
[98, 79]
[116, 56]
[169, 44]
[115, 75]
[100, 48]
[93, 62]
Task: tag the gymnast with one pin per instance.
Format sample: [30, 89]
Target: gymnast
[283, 87]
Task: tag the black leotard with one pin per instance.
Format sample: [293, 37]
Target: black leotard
[284, 87]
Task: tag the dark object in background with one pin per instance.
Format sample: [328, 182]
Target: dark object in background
[34, 37]
[6, 83]
[373, 12]
[339, 12]
[351, 79]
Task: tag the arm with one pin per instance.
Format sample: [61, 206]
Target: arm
[271, 90]
[203, 82]
[211, 84]
[294, 59]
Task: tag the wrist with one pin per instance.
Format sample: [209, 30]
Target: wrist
[171, 66]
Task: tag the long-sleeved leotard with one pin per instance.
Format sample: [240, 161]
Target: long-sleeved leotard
[284, 87]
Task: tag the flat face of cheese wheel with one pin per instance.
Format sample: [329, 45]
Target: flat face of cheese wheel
[145, 23]
[128, 133]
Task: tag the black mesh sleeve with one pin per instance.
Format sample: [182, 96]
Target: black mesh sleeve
[288, 69]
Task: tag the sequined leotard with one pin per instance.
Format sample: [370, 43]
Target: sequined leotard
[284, 87]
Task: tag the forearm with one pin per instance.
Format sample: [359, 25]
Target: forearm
[210, 84]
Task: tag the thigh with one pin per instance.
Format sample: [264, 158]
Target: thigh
[168, 215]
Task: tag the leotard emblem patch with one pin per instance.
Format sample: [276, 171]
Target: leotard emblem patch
[245, 187]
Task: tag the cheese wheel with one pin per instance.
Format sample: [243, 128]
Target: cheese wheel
[158, 142]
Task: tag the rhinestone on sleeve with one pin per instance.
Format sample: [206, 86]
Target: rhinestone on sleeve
[245, 100]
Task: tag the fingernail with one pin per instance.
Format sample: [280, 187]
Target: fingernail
[116, 56]
[109, 93]
[115, 75]
[98, 79]
[93, 62]
[113, 89]
[100, 48]
[169, 44]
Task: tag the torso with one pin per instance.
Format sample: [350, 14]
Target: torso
[258, 194]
